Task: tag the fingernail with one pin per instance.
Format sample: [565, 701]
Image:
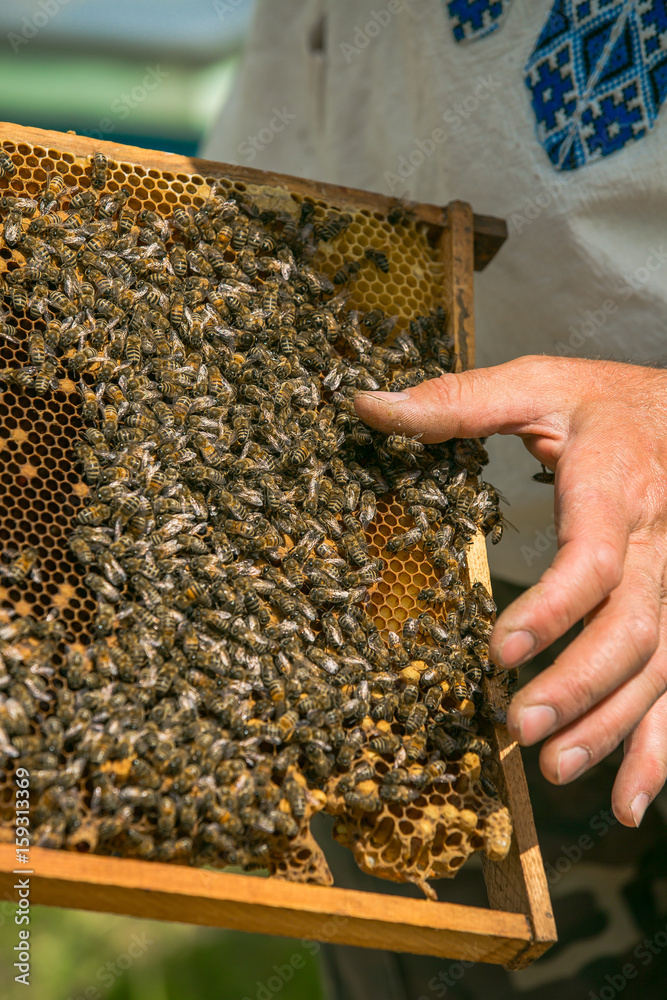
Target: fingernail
[386, 397]
[572, 763]
[638, 807]
[536, 722]
[517, 648]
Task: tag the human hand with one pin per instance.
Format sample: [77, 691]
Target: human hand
[603, 427]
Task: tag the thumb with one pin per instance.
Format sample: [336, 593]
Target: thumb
[527, 396]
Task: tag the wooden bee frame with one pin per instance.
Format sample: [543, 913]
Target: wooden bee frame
[518, 927]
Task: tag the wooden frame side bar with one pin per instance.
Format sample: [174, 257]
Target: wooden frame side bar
[490, 232]
[217, 899]
[519, 882]
[457, 251]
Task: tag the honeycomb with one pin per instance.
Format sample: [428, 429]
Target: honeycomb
[433, 835]
[394, 597]
[416, 282]
[430, 837]
[41, 490]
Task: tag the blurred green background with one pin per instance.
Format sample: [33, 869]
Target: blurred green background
[130, 959]
[67, 64]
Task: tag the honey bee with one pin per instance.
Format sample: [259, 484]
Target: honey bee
[126, 220]
[184, 222]
[400, 214]
[352, 744]
[379, 258]
[102, 587]
[91, 464]
[62, 303]
[7, 165]
[109, 204]
[111, 568]
[53, 190]
[545, 476]
[407, 701]
[81, 549]
[406, 540]
[402, 446]
[333, 226]
[99, 172]
[387, 744]
[434, 628]
[7, 333]
[84, 199]
[19, 298]
[410, 628]
[366, 801]
[416, 719]
[415, 746]
[23, 566]
[45, 377]
[348, 271]
[13, 229]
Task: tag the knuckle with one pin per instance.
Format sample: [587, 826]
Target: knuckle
[532, 361]
[582, 693]
[550, 607]
[655, 689]
[654, 770]
[538, 369]
[439, 402]
[606, 563]
[446, 389]
[644, 632]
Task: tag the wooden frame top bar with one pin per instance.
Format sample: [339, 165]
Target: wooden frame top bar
[490, 232]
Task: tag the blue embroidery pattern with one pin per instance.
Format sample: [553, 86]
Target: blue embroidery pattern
[597, 74]
[473, 19]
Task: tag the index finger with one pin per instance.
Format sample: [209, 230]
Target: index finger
[513, 398]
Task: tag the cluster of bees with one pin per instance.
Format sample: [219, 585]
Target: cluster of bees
[234, 671]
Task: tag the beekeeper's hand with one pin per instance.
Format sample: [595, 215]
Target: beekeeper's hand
[602, 427]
